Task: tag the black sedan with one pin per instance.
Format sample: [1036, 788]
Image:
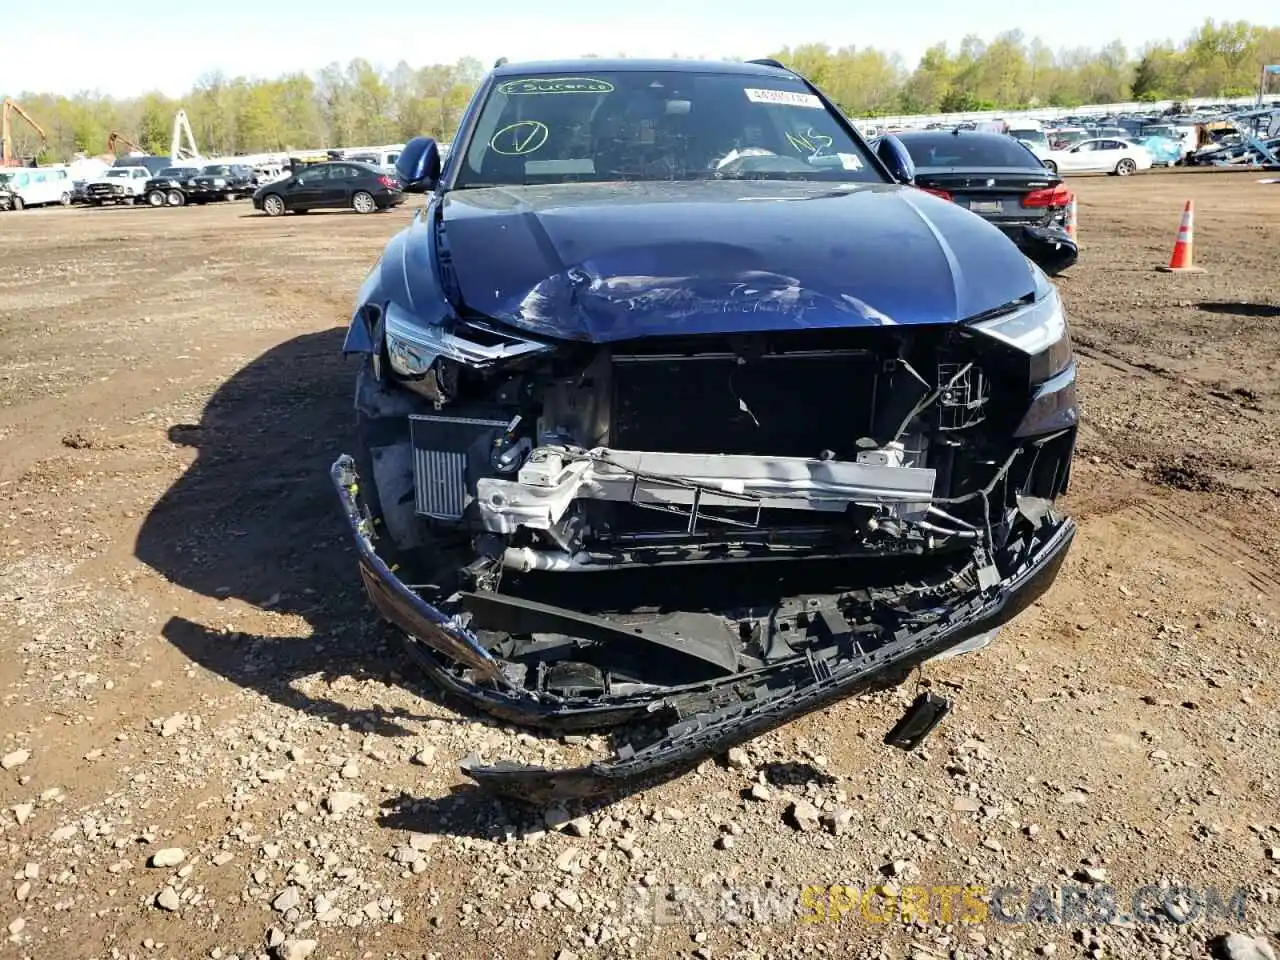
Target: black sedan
[1003, 182]
[331, 186]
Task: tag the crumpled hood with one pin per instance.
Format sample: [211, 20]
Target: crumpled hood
[614, 261]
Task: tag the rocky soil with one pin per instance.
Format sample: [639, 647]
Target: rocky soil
[209, 748]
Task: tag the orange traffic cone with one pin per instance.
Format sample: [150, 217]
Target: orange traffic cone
[1181, 261]
[1070, 220]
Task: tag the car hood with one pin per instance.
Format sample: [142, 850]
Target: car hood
[614, 261]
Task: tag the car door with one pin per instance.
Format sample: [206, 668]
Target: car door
[1087, 157]
[337, 192]
[1117, 150]
[1110, 152]
[38, 192]
[305, 191]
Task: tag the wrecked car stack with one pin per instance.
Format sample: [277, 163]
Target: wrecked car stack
[690, 439]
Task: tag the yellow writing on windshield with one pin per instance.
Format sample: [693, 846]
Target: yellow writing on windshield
[520, 138]
[810, 143]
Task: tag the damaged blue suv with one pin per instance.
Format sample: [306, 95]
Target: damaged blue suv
[681, 412]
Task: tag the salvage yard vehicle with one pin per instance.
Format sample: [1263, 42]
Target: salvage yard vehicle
[1101, 155]
[171, 185]
[679, 411]
[346, 184]
[222, 181]
[35, 186]
[118, 185]
[1004, 182]
[1163, 151]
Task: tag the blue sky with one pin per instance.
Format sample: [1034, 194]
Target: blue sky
[124, 49]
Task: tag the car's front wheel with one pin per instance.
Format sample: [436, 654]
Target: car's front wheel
[1125, 167]
[273, 205]
[156, 198]
[65, 199]
[18, 203]
[1051, 166]
[176, 198]
[362, 202]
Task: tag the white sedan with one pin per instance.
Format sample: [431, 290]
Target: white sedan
[1101, 155]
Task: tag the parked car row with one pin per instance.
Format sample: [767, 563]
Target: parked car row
[172, 186]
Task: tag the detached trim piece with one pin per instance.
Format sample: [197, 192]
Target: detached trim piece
[691, 740]
[396, 602]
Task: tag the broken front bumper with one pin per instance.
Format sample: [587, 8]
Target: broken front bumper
[696, 720]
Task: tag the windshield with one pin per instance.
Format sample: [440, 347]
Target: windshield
[118, 172]
[967, 150]
[656, 125]
[216, 171]
[176, 172]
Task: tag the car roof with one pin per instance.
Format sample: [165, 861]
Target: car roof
[967, 134]
[591, 65]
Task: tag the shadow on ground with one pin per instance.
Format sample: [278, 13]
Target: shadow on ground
[255, 518]
[1263, 310]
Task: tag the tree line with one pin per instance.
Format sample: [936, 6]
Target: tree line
[358, 103]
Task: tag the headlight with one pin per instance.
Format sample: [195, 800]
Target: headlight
[409, 347]
[1038, 330]
[413, 346]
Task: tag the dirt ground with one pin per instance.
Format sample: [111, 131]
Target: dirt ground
[187, 660]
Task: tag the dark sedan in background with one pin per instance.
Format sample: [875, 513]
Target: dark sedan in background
[222, 181]
[331, 186]
[1003, 182]
[171, 185]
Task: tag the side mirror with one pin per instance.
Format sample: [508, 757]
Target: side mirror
[419, 165]
[894, 155]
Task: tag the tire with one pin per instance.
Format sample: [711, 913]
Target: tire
[1050, 166]
[362, 202]
[65, 199]
[273, 205]
[175, 198]
[18, 202]
[156, 198]
[1126, 167]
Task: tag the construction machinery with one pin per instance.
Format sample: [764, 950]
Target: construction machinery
[182, 130]
[8, 153]
[114, 138]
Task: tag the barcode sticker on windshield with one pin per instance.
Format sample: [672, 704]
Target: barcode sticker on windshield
[786, 97]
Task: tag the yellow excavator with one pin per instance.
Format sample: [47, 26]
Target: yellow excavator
[119, 138]
[8, 152]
